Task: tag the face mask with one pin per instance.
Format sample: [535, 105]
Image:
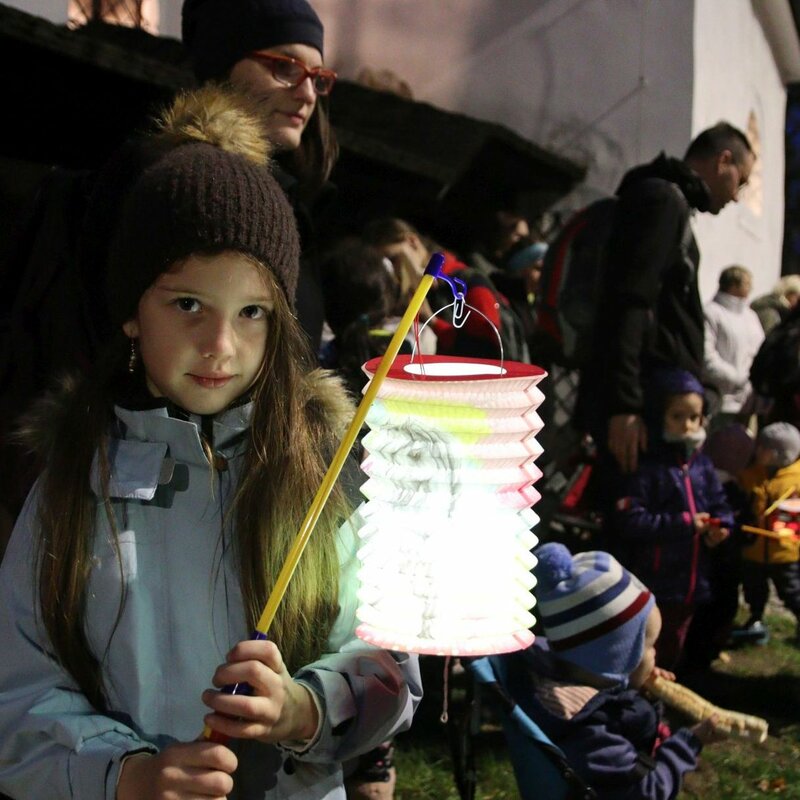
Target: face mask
[691, 441]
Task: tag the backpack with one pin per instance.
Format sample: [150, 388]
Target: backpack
[571, 283]
[512, 333]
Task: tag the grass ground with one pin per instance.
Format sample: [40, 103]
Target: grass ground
[757, 680]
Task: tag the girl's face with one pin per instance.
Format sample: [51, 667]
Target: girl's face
[202, 331]
[683, 414]
[648, 662]
[287, 109]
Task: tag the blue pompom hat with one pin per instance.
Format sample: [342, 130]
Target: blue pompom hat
[594, 612]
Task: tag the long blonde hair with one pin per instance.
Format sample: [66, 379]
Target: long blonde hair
[290, 444]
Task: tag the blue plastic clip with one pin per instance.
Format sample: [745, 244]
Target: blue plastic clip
[457, 287]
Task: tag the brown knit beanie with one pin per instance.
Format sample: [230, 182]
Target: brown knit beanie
[207, 189]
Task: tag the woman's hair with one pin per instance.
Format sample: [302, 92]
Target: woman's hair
[313, 161]
[391, 230]
[290, 445]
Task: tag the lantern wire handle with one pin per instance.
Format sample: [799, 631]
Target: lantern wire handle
[433, 270]
[454, 305]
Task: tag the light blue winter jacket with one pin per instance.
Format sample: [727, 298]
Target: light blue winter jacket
[182, 614]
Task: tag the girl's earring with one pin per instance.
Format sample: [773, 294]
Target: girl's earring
[133, 357]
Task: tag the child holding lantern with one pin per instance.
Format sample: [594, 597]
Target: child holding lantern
[773, 483]
[672, 511]
[176, 477]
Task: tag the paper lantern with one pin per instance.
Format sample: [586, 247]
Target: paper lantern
[446, 539]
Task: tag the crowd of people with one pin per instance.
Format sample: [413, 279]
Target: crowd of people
[215, 340]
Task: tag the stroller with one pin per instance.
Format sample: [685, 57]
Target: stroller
[540, 768]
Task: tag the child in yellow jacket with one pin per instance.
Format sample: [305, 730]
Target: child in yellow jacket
[774, 475]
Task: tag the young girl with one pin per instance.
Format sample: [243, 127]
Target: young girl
[176, 478]
[672, 510]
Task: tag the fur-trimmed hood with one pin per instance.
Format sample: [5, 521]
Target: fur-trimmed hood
[326, 398]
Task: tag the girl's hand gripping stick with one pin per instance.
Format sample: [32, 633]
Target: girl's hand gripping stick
[232, 688]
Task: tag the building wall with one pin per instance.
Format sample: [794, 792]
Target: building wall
[595, 80]
[608, 83]
[54, 10]
[736, 79]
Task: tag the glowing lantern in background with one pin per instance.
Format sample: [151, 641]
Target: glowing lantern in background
[446, 538]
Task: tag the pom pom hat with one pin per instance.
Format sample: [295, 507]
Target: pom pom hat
[593, 611]
[205, 186]
[218, 33]
[784, 439]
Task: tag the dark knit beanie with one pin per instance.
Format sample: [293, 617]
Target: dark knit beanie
[218, 33]
[202, 197]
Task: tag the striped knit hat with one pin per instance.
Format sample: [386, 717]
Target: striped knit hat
[592, 609]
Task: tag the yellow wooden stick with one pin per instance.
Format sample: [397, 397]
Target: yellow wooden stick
[789, 533]
[791, 490]
[328, 482]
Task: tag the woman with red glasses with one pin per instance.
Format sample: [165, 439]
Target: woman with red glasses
[273, 49]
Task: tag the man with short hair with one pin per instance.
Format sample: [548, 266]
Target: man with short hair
[651, 313]
[733, 335]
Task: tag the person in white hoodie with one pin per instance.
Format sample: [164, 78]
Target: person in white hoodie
[733, 335]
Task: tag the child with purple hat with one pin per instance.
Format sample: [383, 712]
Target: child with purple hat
[672, 511]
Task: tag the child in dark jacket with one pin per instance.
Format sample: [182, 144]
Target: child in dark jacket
[672, 511]
[601, 624]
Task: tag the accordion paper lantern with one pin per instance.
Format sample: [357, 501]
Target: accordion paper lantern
[446, 535]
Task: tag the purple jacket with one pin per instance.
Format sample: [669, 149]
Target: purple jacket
[612, 742]
[653, 532]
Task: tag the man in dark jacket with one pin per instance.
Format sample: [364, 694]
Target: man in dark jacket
[652, 314]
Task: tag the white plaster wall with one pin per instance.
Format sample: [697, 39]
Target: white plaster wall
[595, 80]
[736, 74]
[54, 10]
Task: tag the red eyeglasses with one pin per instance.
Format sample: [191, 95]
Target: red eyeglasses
[291, 72]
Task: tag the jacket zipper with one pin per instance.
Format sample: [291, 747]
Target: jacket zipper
[696, 538]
